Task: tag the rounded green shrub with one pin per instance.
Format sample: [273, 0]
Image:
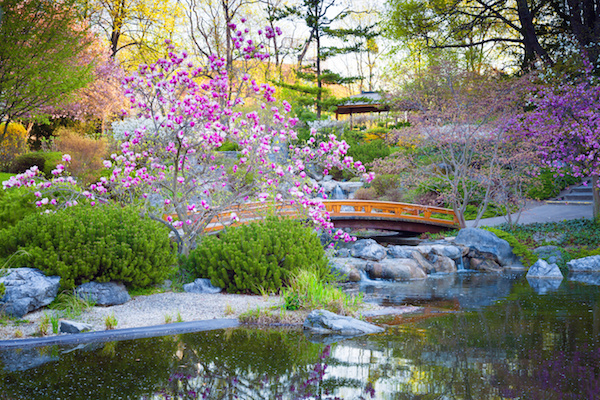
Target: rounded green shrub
[83, 244]
[258, 257]
[45, 161]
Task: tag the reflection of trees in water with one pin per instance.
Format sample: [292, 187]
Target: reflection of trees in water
[528, 347]
[250, 364]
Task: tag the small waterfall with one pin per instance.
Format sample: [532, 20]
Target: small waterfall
[364, 277]
[460, 266]
[337, 193]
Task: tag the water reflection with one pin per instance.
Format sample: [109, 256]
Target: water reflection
[470, 290]
[524, 346]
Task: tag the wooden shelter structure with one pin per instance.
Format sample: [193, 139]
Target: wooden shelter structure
[365, 102]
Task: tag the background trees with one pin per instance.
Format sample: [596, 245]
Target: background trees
[483, 30]
[39, 65]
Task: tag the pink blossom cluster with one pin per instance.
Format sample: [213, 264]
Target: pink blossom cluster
[59, 192]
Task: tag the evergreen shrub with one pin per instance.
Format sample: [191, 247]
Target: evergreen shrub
[258, 257]
[83, 244]
[45, 161]
[25, 161]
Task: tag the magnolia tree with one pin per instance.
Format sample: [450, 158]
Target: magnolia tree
[172, 165]
[564, 125]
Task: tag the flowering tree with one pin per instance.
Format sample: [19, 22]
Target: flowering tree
[172, 165]
[564, 124]
[461, 120]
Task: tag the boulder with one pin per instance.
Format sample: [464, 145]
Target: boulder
[542, 269]
[344, 253]
[400, 269]
[349, 268]
[368, 249]
[446, 250]
[486, 242]
[423, 263]
[442, 263]
[27, 289]
[103, 293]
[586, 264]
[552, 254]
[400, 251]
[326, 322]
[74, 327]
[202, 286]
[479, 261]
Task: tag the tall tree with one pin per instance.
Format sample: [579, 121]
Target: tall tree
[518, 26]
[39, 65]
[320, 17]
[134, 28]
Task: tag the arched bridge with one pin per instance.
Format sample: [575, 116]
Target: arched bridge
[355, 214]
[390, 216]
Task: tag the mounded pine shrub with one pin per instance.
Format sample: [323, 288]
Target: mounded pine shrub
[83, 244]
[258, 257]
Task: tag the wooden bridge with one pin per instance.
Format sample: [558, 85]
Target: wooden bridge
[355, 214]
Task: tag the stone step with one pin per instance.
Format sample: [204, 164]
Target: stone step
[578, 197]
[582, 189]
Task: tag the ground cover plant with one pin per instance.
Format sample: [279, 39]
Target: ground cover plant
[577, 238]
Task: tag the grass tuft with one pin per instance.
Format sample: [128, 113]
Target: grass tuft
[308, 292]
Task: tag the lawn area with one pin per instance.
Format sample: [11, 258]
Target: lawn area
[4, 176]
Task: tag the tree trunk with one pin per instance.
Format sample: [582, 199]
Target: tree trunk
[319, 83]
[532, 45]
[596, 196]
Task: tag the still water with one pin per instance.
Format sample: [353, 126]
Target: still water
[483, 337]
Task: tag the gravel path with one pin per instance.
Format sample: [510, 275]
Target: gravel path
[151, 310]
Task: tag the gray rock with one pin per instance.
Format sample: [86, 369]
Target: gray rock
[103, 293]
[541, 269]
[423, 263]
[482, 262]
[442, 263]
[450, 251]
[344, 253]
[74, 327]
[326, 322]
[27, 289]
[552, 254]
[586, 264]
[368, 249]
[400, 251]
[486, 242]
[348, 268]
[201, 286]
[399, 269]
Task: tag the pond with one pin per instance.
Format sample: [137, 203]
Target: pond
[512, 344]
